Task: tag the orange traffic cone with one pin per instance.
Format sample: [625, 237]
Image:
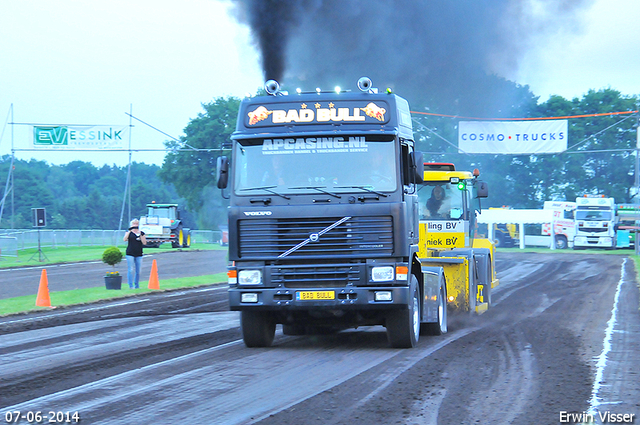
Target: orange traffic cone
[43, 291]
[154, 283]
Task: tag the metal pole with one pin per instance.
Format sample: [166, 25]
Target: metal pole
[5, 194]
[130, 131]
[39, 247]
[13, 156]
[129, 188]
[636, 234]
[127, 184]
[124, 200]
[8, 186]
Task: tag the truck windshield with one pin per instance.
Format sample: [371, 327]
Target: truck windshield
[595, 215]
[440, 201]
[161, 212]
[314, 165]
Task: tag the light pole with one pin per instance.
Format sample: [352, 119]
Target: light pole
[636, 243]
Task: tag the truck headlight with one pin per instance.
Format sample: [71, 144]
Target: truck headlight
[249, 277]
[382, 274]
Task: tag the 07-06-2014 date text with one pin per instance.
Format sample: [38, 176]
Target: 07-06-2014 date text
[50, 417]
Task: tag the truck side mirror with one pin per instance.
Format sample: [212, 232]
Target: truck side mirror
[419, 167]
[222, 172]
[482, 190]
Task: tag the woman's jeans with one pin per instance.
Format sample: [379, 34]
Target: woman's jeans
[133, 270]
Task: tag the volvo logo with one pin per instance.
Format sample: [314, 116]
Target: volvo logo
[256, 213]
[314, 237]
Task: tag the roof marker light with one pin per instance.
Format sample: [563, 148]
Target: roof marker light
[338, 89]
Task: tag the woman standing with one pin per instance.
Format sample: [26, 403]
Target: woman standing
[135, 241]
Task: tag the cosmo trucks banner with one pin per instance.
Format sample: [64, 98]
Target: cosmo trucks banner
[94, 137]
[513, 137]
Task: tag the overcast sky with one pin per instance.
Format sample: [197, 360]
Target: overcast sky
[89, 62]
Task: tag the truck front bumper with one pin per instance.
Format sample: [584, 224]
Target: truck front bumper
[352, 298]
[594, 241]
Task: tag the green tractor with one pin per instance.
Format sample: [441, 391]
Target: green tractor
[163, 224]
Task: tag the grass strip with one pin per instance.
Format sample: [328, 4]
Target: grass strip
[83, 296]
[72, 254]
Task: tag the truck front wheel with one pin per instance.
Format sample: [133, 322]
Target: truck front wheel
[258, 328]
[440, 327]
[403, 326]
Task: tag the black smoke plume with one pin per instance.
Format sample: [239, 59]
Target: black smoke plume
[450, 55]
[271, 22]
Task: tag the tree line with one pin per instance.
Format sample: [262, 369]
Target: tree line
[601, 160]
[79, 195]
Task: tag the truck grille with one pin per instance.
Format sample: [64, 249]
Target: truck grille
[592, 229]
[271, 237]
[316, 277]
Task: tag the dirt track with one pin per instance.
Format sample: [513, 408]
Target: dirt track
[529, 358]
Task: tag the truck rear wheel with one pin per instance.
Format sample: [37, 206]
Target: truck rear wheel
[473, 287]
[485, 278]
[440, 327]
[187, 238]
[561, 242]
[258, 328]
[403, 326]
[177, 243]
[488, 290]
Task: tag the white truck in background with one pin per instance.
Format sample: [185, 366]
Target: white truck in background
[506, 225]
[563, 221]
[595, 222]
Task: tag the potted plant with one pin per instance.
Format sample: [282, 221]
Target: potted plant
[112, 256]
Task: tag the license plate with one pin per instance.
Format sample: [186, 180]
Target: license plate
[315, 295]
